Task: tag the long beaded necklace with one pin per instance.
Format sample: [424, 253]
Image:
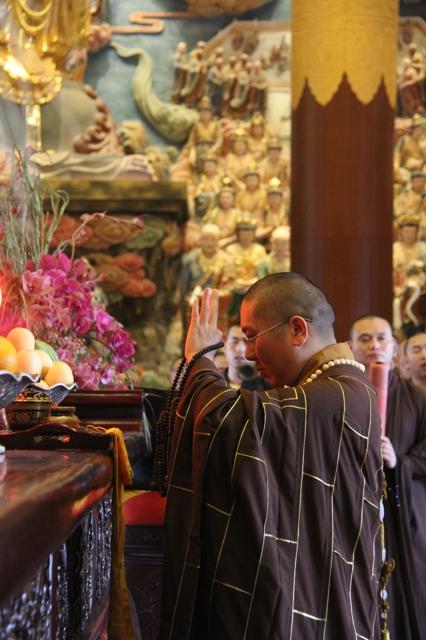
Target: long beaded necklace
[332, 363]
[166, 422]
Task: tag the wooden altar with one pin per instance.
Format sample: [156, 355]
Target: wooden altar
[56, 523]
[55, 541]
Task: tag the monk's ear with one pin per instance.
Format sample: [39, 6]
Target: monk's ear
[300, 330]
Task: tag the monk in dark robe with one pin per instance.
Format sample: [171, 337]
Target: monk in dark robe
[272, 519]
[404, 457]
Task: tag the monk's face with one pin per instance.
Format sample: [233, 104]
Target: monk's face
[416, 356]
[273, 351]
[372, 341]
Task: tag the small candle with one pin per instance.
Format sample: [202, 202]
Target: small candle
[379, 376]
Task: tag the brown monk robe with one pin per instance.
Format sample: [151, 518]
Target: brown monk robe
[272, 519]
[405, 510]
[404, 458]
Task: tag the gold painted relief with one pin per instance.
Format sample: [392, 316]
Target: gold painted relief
[349, 37]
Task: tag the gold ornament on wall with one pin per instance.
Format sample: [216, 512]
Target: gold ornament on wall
[331, 39]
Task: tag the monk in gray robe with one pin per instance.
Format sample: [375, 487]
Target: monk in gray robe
[272, 519]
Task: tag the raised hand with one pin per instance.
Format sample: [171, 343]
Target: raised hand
[203, 330]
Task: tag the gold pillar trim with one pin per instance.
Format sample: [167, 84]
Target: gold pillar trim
[331, 38]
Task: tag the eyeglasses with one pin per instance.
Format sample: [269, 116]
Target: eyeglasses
[274, 326]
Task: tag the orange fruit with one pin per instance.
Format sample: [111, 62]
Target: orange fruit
[59, 373]
[29, 362]
[46, 361]
[8, 356]
[21, 338]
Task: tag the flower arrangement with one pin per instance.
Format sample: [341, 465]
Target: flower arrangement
[54, 294]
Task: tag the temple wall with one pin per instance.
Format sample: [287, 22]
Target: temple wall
[111, 76]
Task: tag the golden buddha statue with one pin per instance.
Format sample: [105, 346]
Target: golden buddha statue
[275, 165]
[239, 159]
[274, 214]
[204, 266]
[246, 254]
[258, 136]
[35, 44]
[39, 46]
[205, 137]
[411, 148]
[252, 197]
[225, 214]
[210, 180]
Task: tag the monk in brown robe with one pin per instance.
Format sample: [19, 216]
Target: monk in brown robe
[404, 458]
[273, 497]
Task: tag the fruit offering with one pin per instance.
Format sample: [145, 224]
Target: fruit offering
[21, 338]
[59, 373]
[8, 356]
[21, 352]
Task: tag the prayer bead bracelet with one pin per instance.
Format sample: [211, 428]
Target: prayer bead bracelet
[333, 363]
[166, 422]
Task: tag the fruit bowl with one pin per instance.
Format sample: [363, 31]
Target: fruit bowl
[55, 393]
[11, 386]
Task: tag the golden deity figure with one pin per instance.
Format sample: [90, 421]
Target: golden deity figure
[252, 197]
[205, 137]
[409, 200]
[274, 214]
[246, 254]
[411, 148]
[258, 136]
[409, 252]
[278, 260]
[225, 214]
[210, 180]
[275, 165]
[258, 89]
[204, 266]
[36, 39]
[239, 159]
[409, 269]
[229, 74]
[41, 43]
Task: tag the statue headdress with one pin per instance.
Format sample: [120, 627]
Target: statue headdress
[274, 186]
[210, 157]
[245, 222]
[239, 134]
[205, 104]
[409, 220]
[418, 174]
[417, 121]
[257, 118]
[275, 143]
[417, 61]
[226, 185]
[281, 233]
[252, 170]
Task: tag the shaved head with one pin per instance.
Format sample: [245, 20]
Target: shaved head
[372, 340]
[368, 317]
[282, 295]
